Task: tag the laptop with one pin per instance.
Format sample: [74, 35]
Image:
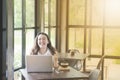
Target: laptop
[38, 63]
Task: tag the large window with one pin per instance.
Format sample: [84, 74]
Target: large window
[94, 28]
[24, 32]
[25, 28]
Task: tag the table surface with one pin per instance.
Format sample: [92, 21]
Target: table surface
[55, 75]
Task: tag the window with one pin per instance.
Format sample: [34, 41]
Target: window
[25, 28]
[93, 28]
[24, 32]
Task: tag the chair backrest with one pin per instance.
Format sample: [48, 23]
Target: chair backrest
[71, 62]
[96, 73]
[100, 62]
[76, 64]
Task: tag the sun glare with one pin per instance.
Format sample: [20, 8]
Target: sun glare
[112, 8]
[113, 5]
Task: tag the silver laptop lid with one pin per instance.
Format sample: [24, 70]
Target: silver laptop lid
[38, 63]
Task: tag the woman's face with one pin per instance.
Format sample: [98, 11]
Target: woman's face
[42, 41]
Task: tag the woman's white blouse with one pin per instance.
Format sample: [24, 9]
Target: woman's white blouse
[47, 53]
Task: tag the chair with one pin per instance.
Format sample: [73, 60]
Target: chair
[96, 73]
[76, 64]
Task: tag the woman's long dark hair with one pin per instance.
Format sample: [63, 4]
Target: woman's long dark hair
[36, 48]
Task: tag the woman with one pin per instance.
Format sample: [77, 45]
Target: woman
[43, 46]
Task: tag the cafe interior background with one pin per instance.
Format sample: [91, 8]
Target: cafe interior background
[90, 26]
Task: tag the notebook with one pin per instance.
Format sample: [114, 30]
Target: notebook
[38, 63]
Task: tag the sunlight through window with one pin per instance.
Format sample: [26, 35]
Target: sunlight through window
[112, 12]
[112, 5]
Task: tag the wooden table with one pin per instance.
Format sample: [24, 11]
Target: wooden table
[55, 75]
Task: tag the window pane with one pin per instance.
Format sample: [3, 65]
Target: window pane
[76, 12]
[112, 12]
[95, 12]
[91, 63]
[53, 13]
[30, 13]
[46, 12]
[30, 36]
[46, 30]
[17, 13]
[53, 36]
[17, 49]
[94, 43]
[76, 39]
[112, 42]
[50, 13]
[112, 69]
